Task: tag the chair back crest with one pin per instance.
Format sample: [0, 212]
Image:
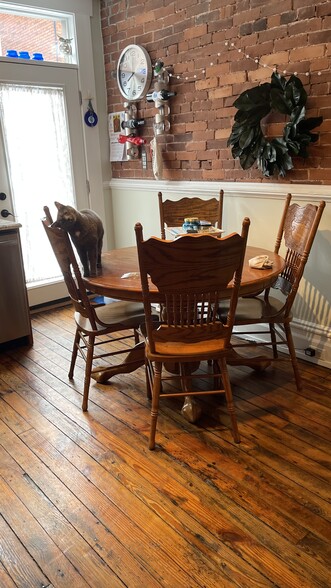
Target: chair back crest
[173, 212]
[191, 274]
[64, 253]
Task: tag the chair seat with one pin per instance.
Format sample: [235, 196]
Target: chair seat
[255, 310]
[128, 314]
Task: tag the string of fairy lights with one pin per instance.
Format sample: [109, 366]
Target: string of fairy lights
[231, 45]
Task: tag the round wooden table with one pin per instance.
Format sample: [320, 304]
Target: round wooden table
[119, 262]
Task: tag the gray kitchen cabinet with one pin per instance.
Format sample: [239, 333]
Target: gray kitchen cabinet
[15, 322]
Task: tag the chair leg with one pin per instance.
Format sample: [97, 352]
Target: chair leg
[149, 378]
[74, 355]
[294, 360]
[217, 375]
[273, 340]
[136, 336]
[155, 403]
[88, 369]
[229, 400]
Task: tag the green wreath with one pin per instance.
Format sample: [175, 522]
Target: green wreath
[247, 140]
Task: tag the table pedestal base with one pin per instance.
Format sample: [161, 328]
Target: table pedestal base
[191, 409]
[134, 359]
[258, 363]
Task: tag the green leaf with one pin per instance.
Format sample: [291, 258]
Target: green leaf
[313, 137]
[235, 134]
[310, 123]
[295, 92]
[246, 138]
[247, 159]
[279, 102]
[252, 98]
[236, 151]
[278, 81]
[298, 114]
[279, 144]
[293, 147]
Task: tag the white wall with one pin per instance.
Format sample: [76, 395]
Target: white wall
[134, 200]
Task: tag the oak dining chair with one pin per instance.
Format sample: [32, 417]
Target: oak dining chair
[119, 320]
[296, 232]
[191, 274]
[173, 212]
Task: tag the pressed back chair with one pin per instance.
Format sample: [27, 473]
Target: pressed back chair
[173, 212]
[297, 232]
[93, 321]
[192, 274]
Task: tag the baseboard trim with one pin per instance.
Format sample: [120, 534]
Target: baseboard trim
[304, 336]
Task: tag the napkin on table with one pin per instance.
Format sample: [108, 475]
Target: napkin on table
[260, 262]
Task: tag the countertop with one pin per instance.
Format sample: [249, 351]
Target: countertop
[7, 224]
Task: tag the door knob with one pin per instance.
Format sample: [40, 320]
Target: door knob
[3, 196]
[4, 213]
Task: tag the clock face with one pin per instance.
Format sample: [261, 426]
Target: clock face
[134, 72]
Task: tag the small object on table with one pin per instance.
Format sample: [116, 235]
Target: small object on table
[174, 232]
[260, 262]
[191, 223]
[204, 225]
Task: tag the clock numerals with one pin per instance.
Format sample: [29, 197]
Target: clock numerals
[134, 72]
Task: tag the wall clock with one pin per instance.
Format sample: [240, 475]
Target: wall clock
[134, 72]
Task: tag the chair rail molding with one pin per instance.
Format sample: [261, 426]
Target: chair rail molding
[305, 192]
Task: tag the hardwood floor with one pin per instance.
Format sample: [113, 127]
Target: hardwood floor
[84, 503]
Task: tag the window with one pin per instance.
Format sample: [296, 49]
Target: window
[37, 34]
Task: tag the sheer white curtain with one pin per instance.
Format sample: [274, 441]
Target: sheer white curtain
[34, 126]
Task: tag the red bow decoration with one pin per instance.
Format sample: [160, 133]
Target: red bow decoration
[131, 139]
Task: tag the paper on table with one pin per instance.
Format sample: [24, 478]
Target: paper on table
[260, 262]
[131, 275]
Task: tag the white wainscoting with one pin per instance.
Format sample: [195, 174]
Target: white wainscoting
[136, 200]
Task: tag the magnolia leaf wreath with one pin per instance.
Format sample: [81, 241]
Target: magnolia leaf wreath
[247, 140]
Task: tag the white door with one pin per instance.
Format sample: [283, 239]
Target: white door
[42, 159]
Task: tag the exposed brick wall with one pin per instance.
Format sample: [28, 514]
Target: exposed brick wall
[190, 35]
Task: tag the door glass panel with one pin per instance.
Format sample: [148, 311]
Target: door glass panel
[37, 34]
[37, 145]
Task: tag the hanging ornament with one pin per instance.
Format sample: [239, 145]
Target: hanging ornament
[65, 46]
[157, 162]
[90, 116]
